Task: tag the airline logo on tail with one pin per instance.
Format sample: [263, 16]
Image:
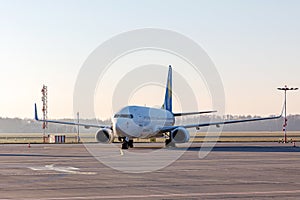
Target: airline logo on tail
[168, 96]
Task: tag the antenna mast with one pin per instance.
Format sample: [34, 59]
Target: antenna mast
[45, 110]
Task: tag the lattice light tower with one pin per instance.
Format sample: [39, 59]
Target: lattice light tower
[45, 110]
[285, 88]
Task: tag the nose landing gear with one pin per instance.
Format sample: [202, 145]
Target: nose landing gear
[127, 143]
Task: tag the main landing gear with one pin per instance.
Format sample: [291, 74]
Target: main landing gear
[169, 143]
[127, 143]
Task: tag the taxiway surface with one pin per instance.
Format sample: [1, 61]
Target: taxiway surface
[229, 171]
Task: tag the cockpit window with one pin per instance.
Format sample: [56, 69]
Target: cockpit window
[130, 116]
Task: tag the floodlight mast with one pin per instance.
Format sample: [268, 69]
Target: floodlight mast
[285, 88]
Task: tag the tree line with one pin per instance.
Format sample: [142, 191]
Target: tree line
[17, 125]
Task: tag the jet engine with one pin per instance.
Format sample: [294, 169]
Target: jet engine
[180, 135]
[104, 135]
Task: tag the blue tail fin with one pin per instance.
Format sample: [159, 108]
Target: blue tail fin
[168, 96]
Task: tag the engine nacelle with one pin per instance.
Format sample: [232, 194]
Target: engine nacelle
[104, 135]
[180, 135]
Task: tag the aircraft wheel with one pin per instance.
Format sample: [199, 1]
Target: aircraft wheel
[130, 143]
[125, 145]
[169, 143]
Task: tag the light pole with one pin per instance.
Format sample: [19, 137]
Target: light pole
[78, 137]
[285, 88]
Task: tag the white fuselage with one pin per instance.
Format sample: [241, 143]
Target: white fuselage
[141, 122]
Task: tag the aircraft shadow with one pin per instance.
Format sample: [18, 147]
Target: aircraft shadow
[245, 149]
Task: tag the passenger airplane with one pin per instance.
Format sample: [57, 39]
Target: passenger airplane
[145, 122]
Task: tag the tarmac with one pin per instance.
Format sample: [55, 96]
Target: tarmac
[73, 171]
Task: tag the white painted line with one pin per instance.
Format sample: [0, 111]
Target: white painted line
[68, 170]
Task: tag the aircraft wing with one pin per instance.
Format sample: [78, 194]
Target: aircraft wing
[170, 128]
[68, 123]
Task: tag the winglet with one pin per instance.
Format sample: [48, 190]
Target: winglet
[35, 113]
[283, 109]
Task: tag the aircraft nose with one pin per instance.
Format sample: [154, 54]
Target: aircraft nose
[119, 128]
[127, 128]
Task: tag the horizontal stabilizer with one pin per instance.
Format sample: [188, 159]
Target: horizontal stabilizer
[194, 113]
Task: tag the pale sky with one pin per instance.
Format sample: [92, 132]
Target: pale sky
[254, 44]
